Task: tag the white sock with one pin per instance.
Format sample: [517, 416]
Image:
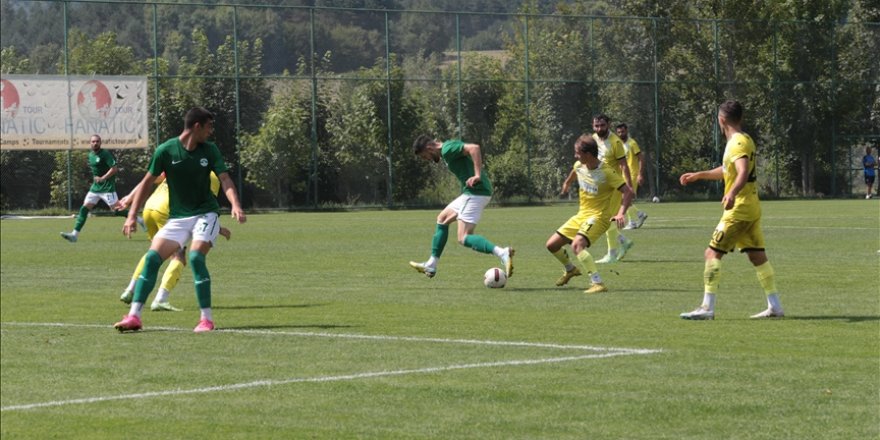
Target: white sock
[74, 233]
[131, 285]
[162, 296]
[432, 262]
[773, 301]
[136, 308]
[206, 314]
[569, 267]
[595, 278]
[499, 251]
[709, 301]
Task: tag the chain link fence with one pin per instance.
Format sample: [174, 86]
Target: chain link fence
[317, 107]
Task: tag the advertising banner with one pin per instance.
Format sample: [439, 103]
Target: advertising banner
[40, 112]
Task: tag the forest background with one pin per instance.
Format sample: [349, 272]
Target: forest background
[318, 102]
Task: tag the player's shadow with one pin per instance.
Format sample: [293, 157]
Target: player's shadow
[834, 318]
[287, 326]
[268, 306]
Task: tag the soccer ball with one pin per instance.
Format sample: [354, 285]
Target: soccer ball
[656, 199]
[495, 278]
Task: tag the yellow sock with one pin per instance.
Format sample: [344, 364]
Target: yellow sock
[611, 237]
[139, 268]
[172, 274]
[589, 264]
[712, 275]
[562, 256]
[767, 277]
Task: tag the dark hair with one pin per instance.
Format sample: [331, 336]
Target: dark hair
[421, 143]
[603, 117]
[622, 125]
[732, 110]
[586, 144]
[197, 115]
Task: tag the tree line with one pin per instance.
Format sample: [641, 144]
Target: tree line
[333, 126]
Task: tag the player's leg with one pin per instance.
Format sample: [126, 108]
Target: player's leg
[752, 244]
[556, 245]
[90, 200]
[468, 216]
[167, 241]
[153, 221]
[438, 241]
[169, 280]
[588, 233]
[204, 235]
[724, 240]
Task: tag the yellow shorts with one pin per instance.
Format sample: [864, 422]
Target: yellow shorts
[154, 220]
[732, 233]
[590, 227]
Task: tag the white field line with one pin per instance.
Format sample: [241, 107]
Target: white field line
[607, 352]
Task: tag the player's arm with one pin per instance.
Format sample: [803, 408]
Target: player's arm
[140, 196]
[713, 174]
[110, 173]
[125, 202]
[232, 196]
[624, 169]
[742, 177]
[641, 177]
[473, 150]
[568, 181]
[628, 196]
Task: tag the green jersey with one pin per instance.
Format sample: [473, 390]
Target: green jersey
[461, 164]
[188, 174]
[100, 163]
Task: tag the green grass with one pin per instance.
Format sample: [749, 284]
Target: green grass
[287, 283]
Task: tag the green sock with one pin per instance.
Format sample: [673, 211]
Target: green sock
[201, 278]
[147, 279]
[81, 218]
[479, 243]
[121, 213]
[438, 243]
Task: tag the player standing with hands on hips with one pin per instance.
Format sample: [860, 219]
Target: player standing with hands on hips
[187, 161]
[740, 225]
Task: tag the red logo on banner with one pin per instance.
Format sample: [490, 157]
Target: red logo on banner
[94, 100]
[9, 97]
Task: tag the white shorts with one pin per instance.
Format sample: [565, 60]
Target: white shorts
[92, 198]
[469, 207]
[203, 227]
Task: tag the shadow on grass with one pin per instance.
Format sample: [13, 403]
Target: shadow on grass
[286, 326]
[834, 318]
[268, 306]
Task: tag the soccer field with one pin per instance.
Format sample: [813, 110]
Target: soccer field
[325, 332]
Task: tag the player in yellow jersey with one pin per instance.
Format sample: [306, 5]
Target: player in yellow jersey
[599, 187]
[612, 153]
[635, 160]
[156, 211]
[740, 225]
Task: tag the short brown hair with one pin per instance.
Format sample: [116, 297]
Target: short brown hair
[421, 143]
[586, 144]
[732, 110]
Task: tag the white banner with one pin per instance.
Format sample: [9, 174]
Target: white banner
[42, 112]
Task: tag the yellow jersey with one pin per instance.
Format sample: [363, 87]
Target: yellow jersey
[632, 150]
[746, 206]
[596, 190]
[611, 150]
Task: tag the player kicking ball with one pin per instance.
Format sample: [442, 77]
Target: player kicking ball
[466, 162]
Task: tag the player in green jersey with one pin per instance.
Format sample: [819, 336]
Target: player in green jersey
[187, 161]
[103, 167]
[740, 225]
[466, 163]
